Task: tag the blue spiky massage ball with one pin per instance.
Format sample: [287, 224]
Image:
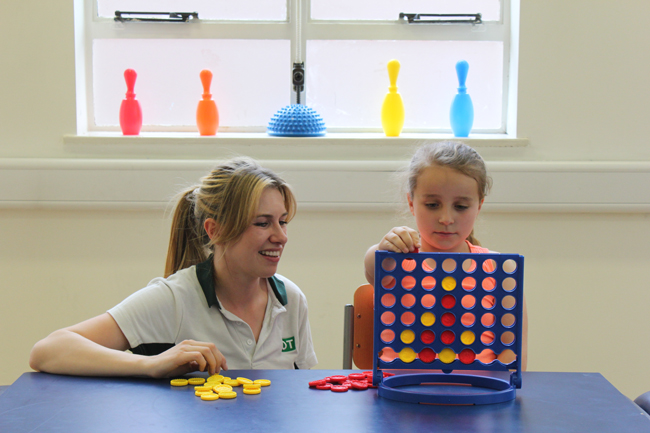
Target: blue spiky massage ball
[296, 120]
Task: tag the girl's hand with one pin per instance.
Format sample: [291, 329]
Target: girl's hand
[186, 357]
[400, 240]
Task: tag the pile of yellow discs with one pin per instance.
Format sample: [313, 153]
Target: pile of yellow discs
[218, 386]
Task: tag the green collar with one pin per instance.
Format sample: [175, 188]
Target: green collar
[205, 274]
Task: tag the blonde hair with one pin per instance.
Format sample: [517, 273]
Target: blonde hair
[455, 155]
[230, 195]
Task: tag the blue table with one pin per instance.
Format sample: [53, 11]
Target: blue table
[547, 402]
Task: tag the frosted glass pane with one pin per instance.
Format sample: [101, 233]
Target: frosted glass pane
[346, 81]
[390, 9]
[269, 10]
[251, 79]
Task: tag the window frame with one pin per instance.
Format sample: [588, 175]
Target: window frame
[89, 26]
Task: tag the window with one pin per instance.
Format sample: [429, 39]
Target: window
[251, 45]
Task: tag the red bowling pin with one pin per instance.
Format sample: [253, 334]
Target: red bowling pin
[130, 112]
[207, 115]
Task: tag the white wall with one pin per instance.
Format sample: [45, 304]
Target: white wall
[582, 95]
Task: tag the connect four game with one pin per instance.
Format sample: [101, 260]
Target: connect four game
[448, 311]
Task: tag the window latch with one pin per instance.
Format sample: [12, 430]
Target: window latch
[442, 18]
[171, 17]
[298, 78]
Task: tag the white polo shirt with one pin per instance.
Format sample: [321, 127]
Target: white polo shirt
[184, 306]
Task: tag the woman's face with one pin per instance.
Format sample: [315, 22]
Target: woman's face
[445, 204]
[258, 250]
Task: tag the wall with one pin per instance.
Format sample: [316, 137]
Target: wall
[582, 98]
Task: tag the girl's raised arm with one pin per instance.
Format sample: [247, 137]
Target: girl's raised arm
[398, 240]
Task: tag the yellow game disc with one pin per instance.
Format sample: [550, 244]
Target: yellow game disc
[407, 355]
[179, 382]
[227, 394]
[467, 337]
[222, 388]
[203, 388]
[428, 319]
[216, 377]
[407, 336]
[252, 391]
[196, 381]
[263, 382]
[252, 386]
[447, 356]
[243, 380]
[210, 397]
[449, 284]
[231, 382]
[200, 393]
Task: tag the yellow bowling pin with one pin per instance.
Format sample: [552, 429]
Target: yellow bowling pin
[392, 111]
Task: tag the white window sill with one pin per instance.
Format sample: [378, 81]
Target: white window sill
[333, 146]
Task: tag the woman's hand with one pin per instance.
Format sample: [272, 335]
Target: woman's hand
[186, 357]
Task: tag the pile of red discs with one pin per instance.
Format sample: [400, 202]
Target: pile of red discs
[341, 383]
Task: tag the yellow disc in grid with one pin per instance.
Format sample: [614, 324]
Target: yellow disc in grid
[263, 382]
[227, 394]
[407, 355]
[467, 337]
[220, 388]
[210, 397]
[407, 336]
[252, 391]
[179, 382]
[428, 319]
[449, 283]
[243, 380]
[447, 355]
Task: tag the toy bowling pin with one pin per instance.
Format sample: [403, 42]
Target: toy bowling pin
[130, 112]
[392, 111]
[462, 109]
[207, 115]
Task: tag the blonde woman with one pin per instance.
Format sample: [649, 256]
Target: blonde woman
[221, 304]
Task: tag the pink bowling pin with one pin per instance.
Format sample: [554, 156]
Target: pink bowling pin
[130, 111]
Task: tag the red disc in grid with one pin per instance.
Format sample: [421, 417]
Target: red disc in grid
[447, 337]
[427, 336]
[427, 355]
[467, 356]
[448, 301]
[448, 319]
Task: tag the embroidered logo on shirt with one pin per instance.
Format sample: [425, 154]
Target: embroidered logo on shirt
[288, 344]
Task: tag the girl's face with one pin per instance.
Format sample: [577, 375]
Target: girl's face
[257, 252]
[445, 204]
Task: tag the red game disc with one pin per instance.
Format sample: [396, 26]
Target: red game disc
[427, 355]
[427, 336]
[337, 379]
[448, 319]
[326, 386]
[359, 385]
[447, 337]
[448, 301]
[467, 356]
[317, 382]
[339, 388]
[357, 376]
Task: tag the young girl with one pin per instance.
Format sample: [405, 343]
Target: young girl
[221, 304]
[447, 184]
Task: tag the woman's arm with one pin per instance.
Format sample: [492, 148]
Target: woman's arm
[96, 347]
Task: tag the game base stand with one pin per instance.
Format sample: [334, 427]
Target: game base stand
[448, 311]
